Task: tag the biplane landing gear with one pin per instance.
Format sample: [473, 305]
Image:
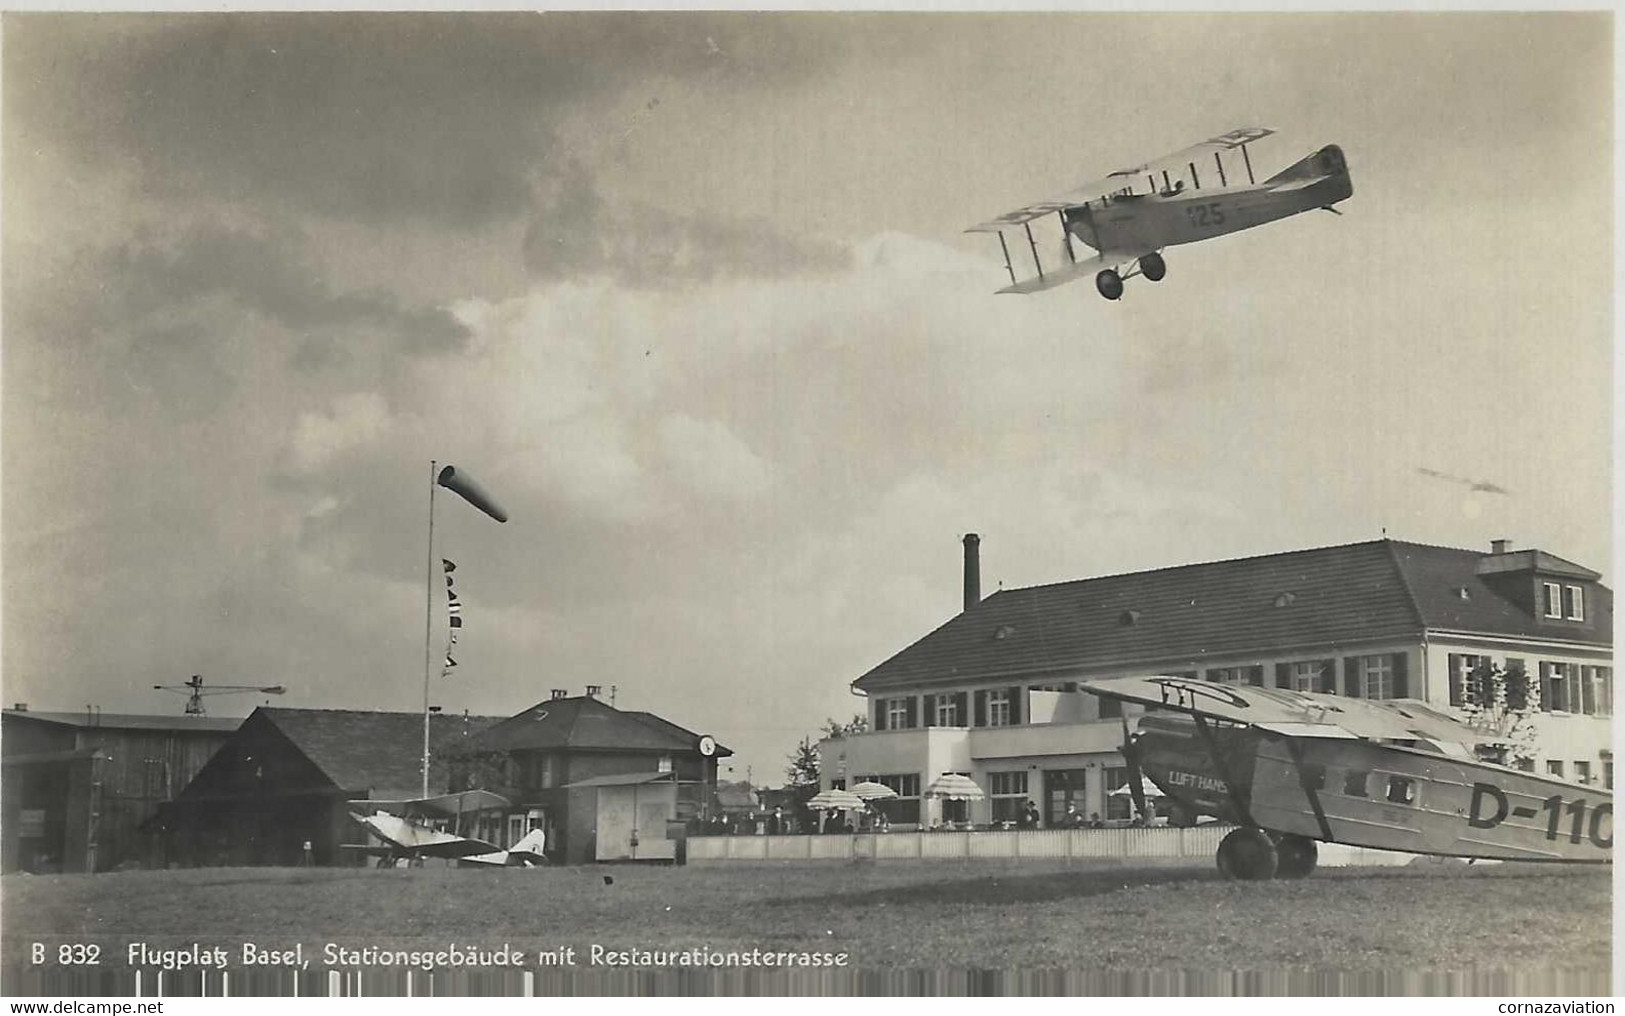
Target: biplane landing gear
[1248, 854]
[1295, 856]
[1153, 267]
[1110, 284]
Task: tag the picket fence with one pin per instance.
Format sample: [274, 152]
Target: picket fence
[1195, 844]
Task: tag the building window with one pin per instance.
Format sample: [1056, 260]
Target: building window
[1555, 768]
[1526, 764]
[1574, 603]
[1310, 675]
[1119, 806]
[1377, 677]
[1009, 794]
[1554, 599]
[998, 708]
[547, 774]
[896, 713]
[947, 709]
[1354, 783]
[664, 766]
[1582, 772]
[1560, 688]
[905, 807]
[1608, 776]
[1401, 790]
[1462, 666]
[1597, 691]
[1253, 675]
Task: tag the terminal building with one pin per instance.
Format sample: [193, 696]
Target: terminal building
[994, 693]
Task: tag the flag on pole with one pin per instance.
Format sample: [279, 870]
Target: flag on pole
[454, 611]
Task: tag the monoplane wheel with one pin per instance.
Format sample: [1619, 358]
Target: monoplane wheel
[1110, 284]
[1153, 267]
[1295, 856]
[1247, 854]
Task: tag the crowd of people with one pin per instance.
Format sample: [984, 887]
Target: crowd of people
[786, 822]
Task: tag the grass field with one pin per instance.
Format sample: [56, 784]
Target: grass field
[908, 914]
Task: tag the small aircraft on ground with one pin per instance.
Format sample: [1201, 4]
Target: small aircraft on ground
[1293, 768]
[1132, 214]
[411, 830]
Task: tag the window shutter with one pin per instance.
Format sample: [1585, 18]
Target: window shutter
[961, 709]
[931, 709]
[981, 708]
[1453, 661]
[1016, 699]
[1283, 675]
[1402, 688]
[1351, 676]
[880, 714]
[911, 718]
[1548, 692]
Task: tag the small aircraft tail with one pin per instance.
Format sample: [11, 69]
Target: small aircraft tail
[1327, 171]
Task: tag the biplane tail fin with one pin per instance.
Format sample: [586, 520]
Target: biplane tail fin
[1326, 163]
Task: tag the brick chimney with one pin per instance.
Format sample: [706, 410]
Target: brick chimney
[973, 570]
[594, 690]
[559, 693]
[1500, 546]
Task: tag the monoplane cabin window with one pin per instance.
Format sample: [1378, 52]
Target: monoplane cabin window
[1313, 776]
[1401, 790]
[1354, 783]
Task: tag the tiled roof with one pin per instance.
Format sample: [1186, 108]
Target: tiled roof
[1322, 597]
[1435, 577]
[583, 722]
[372, 751]
[131, 721]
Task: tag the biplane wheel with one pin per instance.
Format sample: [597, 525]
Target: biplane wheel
[1247, 854]
[1295, 856]
[1110, 284]
[1153, 267]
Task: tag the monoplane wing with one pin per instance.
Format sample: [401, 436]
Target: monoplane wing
[1293, 713]
[1142, 179]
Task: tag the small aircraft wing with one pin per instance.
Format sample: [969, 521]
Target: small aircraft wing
[420, 841]
[1139, 179]
[1293, 713]
[464, 802]
[1073, 272]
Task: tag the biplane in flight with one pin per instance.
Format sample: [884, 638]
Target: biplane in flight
[428, 827]
[1131, 215]
[1291, 769]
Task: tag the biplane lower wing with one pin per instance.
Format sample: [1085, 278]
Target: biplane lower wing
[409, 839]
[1087, 268]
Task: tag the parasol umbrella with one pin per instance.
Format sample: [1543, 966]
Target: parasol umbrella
[842, 800]
[955, 787]
[1147, 788]
[871, 791]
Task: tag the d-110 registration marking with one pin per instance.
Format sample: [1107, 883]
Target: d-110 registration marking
[1554, 806]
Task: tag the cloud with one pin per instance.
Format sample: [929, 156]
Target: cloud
[706, 457]
[355, 421]
[575, 231]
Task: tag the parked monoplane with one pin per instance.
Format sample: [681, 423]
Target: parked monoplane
[1132, 214]
[1292, 768]
[432, 827]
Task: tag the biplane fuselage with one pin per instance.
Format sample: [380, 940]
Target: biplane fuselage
[1152, 221]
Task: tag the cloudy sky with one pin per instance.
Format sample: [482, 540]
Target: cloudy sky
[689, 295]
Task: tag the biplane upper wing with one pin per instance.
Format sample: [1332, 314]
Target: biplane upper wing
[413, 839]
[1293, 713]
[1136, 179]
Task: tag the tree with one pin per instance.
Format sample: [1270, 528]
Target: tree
[1501, 702]
[802, 772]
[835, 728]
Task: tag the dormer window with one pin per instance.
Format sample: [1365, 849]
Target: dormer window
[1554, 599]
[1574, 604]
